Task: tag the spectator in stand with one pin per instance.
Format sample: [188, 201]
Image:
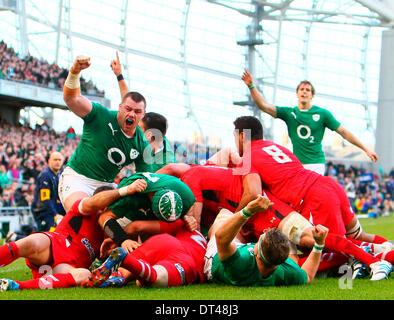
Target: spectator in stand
[388, 205]
[4, 179]
[70, 133]
[7, 200]
[29, 171]
[21, 196]
[14, 173]
[350, 190]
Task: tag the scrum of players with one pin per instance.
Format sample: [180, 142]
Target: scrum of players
[250, 217]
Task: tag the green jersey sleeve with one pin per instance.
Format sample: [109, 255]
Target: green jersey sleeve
[283, 112]
[330, 121]
[96, 108]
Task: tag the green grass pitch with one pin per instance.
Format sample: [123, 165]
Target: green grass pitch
[319, 289]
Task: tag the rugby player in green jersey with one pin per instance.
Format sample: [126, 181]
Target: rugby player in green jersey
[110, 140]
[160, 197]
[306, 124]
[265, 263]
[154, 126]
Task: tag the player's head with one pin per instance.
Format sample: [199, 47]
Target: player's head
[246, 129]
[55, 161]
[102, 188]
[167, 205]
[272, 248]
[154, 125]
[305, 92]
[131, 111]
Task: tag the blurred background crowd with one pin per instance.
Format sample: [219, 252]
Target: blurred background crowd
[38, 72]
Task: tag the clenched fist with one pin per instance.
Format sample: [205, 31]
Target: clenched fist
[138, 185]
[261, 203]
[80, 63]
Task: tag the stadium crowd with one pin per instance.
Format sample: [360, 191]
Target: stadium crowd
[23, 155]
[368, 193]
[35, 71]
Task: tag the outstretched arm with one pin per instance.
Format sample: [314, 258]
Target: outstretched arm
[77, 103]
[226, 233]
[346, 134]
[103, 199]
[117, 69]
[311, 264]
[257, 97]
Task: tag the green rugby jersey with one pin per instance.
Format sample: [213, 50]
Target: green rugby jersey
[241, 270]
[306, 131]
[162, 157]
[104, 149]
[139, 207]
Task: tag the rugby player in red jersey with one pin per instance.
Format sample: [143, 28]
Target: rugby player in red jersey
[62, 258]
[319, 199]
[217, 188]
[172, 256]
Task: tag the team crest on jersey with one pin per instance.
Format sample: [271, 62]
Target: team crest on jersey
[86, 243]
[133, 154]
[316, 117]
[181, 272]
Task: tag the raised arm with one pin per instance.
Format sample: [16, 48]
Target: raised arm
[251, 188]
[257, 97]
[227, 232]
[77, 103]
[311, 264]
[346, 134]
[117, 69]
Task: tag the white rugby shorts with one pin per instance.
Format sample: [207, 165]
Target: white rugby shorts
[212, 250]
[70, 181]
[317, 167]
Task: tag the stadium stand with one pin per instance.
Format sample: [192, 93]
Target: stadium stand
[37, 71]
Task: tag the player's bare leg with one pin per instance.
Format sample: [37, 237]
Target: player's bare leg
[75, 196]
[355, 231]
[61, 276]
[79, 274]
[35, 247]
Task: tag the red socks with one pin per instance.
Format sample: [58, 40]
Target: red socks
[388, 256]
[9, 252]
[327, 261]
[379, 239]
[147, 275]
[57, 280]
[142, 270]
[340, 244]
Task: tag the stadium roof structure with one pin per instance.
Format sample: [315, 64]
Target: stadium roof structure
[187, 56]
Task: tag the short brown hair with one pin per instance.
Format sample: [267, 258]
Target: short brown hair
[135, 96]
[275, 246]
[306, 82]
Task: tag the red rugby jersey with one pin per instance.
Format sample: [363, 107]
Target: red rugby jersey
[280, 171]
[83, 233]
